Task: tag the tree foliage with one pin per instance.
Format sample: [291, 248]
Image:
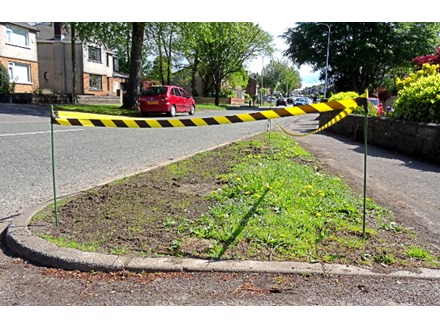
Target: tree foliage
[5, 86]
[431, 59]
[361, 54]
[278, 75]
[218, 49]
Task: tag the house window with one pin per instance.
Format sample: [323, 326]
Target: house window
[17, 36]
[115, 64]
[19, 72]
[95, 82]
[94, 54]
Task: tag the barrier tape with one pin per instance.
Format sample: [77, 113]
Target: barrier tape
[337, 118]
[67, 118]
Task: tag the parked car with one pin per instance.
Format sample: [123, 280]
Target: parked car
[289, 100]
[281, 102]
[271, 99]
[377, 104]
[166, 99]
[301, 101]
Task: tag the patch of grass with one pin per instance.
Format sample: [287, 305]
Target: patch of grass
[264, 198]
[62, 242]
[108, 109]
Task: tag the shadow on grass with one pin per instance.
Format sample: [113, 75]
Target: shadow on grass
[241, 225]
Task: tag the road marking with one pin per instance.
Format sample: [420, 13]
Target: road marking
[40, 132]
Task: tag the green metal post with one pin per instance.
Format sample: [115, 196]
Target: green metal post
[57, 223]
[365, 163]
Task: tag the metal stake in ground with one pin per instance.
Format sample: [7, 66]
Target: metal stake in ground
[57, 223]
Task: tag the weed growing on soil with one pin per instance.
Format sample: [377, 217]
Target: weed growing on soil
[264, 198]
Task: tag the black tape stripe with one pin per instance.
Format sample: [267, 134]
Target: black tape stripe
[234, 118]
[97, 123]
[120, 124]
[165, 123]
[188, 123]
[142, 124]
[74, 122]
[211, 121]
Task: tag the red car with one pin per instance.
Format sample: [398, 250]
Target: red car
[377, 104]
[166, 99]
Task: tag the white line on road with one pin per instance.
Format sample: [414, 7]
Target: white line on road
[40, 132]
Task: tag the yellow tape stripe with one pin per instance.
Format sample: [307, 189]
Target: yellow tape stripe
[337, 118]
[112, 121]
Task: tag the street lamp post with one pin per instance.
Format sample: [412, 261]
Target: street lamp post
[326, 60]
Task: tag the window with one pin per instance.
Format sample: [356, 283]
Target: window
[95, 82]
[176, 92]
[17, 36]
[95, 54]
[19, 72]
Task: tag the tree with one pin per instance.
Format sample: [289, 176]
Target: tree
[220, 49]
[5, 86]
[361, 54]
[278, 75]
[131, 98]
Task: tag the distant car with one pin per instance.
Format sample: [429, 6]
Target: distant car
[377, 104]
[166, 99]
[301, 101]
[281, 102]
[289, 100]
[271, 99]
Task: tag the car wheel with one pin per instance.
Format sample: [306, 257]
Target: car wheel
[172, 112]
[192, 110]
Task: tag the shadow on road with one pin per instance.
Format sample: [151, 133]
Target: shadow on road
[39, 110]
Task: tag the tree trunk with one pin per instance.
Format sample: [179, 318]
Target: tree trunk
[217, 92]
[131, 99]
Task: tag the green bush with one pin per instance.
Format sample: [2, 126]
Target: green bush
[5, 86]
[353, 95]
[420, 100]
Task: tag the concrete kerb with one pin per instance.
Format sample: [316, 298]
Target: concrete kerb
[20, 240]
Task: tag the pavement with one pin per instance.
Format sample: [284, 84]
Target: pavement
[18, 238]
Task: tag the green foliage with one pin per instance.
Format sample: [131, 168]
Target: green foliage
[278, 75]
[361, 53]
[352, 95]
[420, 100]
[426, 70]
[5, 86]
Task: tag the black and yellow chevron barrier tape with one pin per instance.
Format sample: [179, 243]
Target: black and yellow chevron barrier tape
[67, 118]
[337, 118]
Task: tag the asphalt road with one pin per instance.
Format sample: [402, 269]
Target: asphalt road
[90, 156]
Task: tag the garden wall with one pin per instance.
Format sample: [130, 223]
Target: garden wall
[421, 140]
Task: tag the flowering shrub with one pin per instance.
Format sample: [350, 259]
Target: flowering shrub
[419, 100]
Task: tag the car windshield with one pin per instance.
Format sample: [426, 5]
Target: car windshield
[374, 101]
[155, 91]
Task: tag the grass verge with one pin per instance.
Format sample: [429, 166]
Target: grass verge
[264, 198]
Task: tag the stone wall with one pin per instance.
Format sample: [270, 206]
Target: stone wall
[421, 140]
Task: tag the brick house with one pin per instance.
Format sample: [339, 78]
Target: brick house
[96, 66]
[18, 53]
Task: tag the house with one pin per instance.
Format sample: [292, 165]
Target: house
[18, 53]
[96, 66]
